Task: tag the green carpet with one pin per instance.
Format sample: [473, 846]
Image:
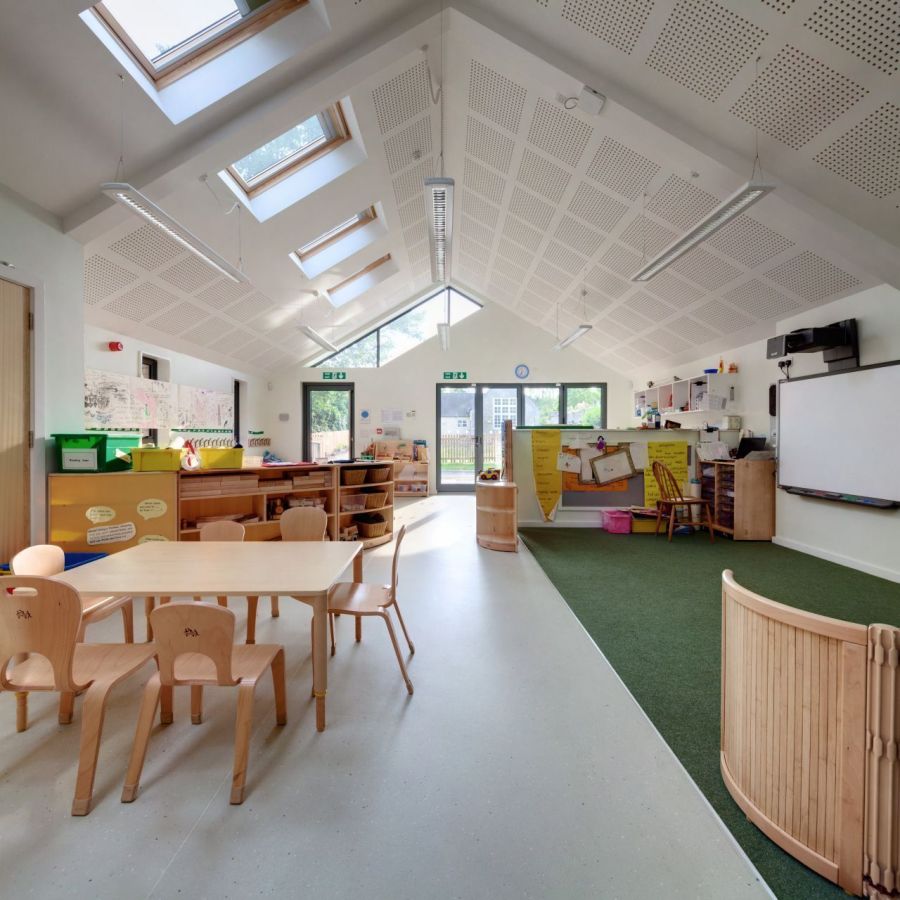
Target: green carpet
[642, 599]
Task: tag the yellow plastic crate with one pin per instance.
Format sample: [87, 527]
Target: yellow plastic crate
[221, 457]
[155, 459]
[640, 525]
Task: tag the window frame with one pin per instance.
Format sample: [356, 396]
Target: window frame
[335, 125]
[371, 267]
[220, 41]
[563, 415]
[366, 217]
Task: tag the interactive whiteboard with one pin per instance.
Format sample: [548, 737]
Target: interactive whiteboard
[839, 434]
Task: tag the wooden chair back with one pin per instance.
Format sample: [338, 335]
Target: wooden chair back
[39, 561]
[194, 630]
[225, 530]
[669, 488]
[303, 523]
[39, 617]
[395, 565]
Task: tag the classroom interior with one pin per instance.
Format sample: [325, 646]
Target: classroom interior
[569, 328]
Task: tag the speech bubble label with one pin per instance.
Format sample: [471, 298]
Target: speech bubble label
[98, 514]
[152, 508]
[111, 534]
[150, 538]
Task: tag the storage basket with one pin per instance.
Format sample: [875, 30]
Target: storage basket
[379, 473]
[353, 476]
[221, 457]
[372, 529]
[156, 459]
[353, 503]
[617, 521]
[376, 500]
[80, 452]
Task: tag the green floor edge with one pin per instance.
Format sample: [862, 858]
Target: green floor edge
[654, 609]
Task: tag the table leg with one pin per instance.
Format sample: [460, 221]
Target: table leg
[320, 656]
[358, 567]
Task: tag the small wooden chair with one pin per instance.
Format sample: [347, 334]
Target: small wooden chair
[301, 523]
[671, 499]
[360, 599]
[42, 561]
[42, 619]
[195, 646]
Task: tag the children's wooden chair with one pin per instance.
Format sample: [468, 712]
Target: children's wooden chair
[360, 599]
[671, 499]
[301, 523]
[42, 619]
[195, 646]
[42, 561]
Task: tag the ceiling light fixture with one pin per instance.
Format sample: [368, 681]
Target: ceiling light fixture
[580, 330]
[443, 331]
[134, 200]
[323, 342]
[734, 206]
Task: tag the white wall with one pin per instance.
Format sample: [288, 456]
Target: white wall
[487, 345]
[181, 369]
[52, 265]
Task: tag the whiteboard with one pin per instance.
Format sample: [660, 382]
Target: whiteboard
[841, 433]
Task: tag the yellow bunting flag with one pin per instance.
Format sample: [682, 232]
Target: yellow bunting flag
[545, 447]
[674, 455]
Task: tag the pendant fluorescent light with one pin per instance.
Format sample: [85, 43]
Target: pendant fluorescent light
[439, 215]
[443, 331]
[134, 200]
[580, 331]
[736, 204]
[318, 338]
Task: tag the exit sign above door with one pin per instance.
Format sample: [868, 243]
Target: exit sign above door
[456, 376]
[334, 376]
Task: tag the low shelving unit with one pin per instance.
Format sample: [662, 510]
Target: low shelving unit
[366, 490]
[742, 497]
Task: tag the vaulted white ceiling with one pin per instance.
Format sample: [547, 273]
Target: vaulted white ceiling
[548, 200]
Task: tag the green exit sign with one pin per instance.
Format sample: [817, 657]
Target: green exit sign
[334, 376]
[456, 376]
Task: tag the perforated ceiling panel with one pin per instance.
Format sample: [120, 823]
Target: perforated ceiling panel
[412, 212]
[868, 155]
[509, 269]
[408, 145]
[102, 278]
[495, 97]
[411, 183]
[207, 332]
[692, 331]
[673, 290]
[483, 181]
[607, 282]
[140, 302]
[565, 259]
[250, 307]
[649, 307]
[722, 317]
[619, 167]
[706, 269]
[761, 301]
[552, 275]
[148, 247]
[479, 209]
[517, 231]
[528, 207]
[542, 176]
[869, 29]
[646, 235]
[488, 144]
[596, 207]
[668, 340]
[704, 45]
[223, 292]
[178, 319]
[516, 254]
[811, 277]
[231, 342]
[621, 260]
[617, 22]
[782, 6]
[681, 203]
[475, 230]
[402, 97]
[558, 133]
[579, 237]
[795, 97]
[749, 242]
[189, 274]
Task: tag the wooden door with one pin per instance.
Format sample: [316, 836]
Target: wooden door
[15, 418]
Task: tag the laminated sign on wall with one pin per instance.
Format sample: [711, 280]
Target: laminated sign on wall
[675, 455]
[545, 448]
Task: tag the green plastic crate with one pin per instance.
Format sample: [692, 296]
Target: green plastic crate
[80, 452]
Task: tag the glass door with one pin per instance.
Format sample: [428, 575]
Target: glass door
[499, 402]
[328, 423]
[457, 437]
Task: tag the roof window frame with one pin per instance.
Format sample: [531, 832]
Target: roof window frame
[317, 245]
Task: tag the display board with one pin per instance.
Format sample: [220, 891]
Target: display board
[113, 401]
[838, 434]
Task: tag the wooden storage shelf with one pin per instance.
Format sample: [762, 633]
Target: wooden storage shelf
[742, 497]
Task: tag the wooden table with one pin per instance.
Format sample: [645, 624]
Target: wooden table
[304, 571]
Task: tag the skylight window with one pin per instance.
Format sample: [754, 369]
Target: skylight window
[336, 233]
[168, 38]
[281, 156]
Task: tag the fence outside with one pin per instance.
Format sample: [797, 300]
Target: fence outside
[459, 449]
[330, 445]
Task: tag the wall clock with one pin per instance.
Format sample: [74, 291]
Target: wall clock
[522, 371]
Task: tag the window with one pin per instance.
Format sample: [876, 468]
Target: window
[403, 332]
[585, 405]
[336, 289]
[462, 423]
[504, 408]
[565, 404]
[169, 38]
[542, 404]
[149, 369]
[283, 155]
[336, 233]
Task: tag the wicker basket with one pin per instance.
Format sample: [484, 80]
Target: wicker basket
[379, 473]
[353, 476]
[376, 500]
[372, 529]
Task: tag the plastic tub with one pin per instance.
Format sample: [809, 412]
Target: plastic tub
[80, 452]
[617, 521]
[221, 457]
[156, 459]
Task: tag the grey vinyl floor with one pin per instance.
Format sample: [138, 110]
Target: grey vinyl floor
[520, 768]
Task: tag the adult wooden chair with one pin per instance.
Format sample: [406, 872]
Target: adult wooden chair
[301, 523]
[195, 646]
[42, 561]
[41, 619]
[671, 500]
[360, 599]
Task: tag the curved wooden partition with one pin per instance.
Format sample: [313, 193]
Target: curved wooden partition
[793, 743]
